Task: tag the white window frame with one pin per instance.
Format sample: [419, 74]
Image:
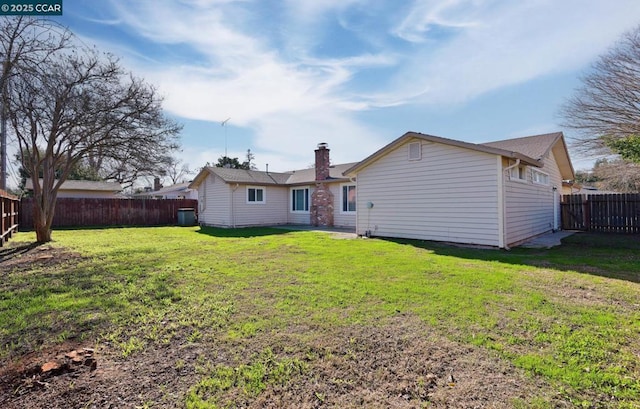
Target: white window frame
[535, 173]
[342, 202]
[264, 195]
[418, 151]
[514, 174]
[307, 199]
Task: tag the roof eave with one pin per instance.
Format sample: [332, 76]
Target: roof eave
[437, 139]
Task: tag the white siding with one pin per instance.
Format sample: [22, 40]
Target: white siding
[214, 198]
[450, 194]
[529, 206]
[273, 211]
[340, 218]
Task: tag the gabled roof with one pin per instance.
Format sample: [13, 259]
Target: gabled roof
[96, 186]
[254, 177]
[513, 154]
[178, 187]
[538, 147]
[257, 177]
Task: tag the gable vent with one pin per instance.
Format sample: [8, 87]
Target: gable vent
[415, 153]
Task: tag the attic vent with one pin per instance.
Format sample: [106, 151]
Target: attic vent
[415, 153]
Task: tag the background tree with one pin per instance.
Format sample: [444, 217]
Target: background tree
[617, 175]
[605, 110]
[175, 170]
[76, 104]
[248, 163]
[232, 163]
[79, 171]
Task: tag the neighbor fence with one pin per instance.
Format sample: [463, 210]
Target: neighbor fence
[9, 215]
[73, 212]
[610, 213]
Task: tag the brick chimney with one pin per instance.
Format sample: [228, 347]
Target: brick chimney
[156, 184]
[322, 197]
[322, 161]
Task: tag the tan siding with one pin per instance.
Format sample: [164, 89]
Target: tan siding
[273, 211]
[529, 206]
[298, 217]
[214, 198]
[448, 195]
[93, 194]
[340, 218]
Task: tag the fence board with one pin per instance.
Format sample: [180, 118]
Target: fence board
[89, 212]
[608, 213]
[8, 216]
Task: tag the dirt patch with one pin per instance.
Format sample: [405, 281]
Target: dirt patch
[26, 257]
[398, 364]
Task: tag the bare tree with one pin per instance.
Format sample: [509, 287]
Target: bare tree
[617, 175]
[24, 42]
[605, 110]
[175, 170]
[78, 104]
[129, 162]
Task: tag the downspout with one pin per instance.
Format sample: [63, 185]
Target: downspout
[233, 218]
[353, 180]
[502, 219]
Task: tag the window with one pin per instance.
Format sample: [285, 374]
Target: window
[539, 177]
[518, 173]
[415, 151]
[255, 195]
[349, 198]
[300, 200]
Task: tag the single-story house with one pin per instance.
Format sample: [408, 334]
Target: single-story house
[431, 188]
[418, 186]
[177, 191]
[84, 189]
[320, 196]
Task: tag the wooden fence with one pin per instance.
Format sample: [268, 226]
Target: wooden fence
[611, 213]
[72, 212]
[8, 216]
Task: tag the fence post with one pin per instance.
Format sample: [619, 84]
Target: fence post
[8, 216]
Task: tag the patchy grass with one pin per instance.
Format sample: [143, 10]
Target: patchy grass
[569, 316]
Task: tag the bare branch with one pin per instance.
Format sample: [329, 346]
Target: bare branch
[607, 105]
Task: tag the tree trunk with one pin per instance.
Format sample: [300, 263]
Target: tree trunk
[43, 233]
[43, 209]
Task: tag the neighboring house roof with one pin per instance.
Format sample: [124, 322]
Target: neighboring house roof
[592, 190]
[177, 188]
[96, 186]
[257, 177]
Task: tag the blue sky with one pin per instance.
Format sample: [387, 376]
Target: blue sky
[353, 73]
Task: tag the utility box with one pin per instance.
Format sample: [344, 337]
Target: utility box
[186, 216]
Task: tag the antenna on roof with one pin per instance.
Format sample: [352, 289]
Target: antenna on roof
[224, 125]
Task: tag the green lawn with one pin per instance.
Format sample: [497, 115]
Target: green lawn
[568, 316]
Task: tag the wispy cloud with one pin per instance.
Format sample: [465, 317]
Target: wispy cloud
[274, 67]
[428, 16]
